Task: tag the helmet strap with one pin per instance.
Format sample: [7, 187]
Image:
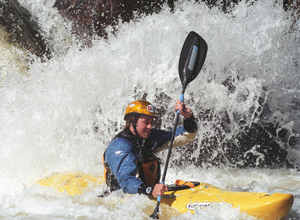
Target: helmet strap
[134, 128]
[134, 125]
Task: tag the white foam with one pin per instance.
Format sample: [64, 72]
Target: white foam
[64, 113]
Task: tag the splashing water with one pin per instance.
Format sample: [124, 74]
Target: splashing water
[62, 113]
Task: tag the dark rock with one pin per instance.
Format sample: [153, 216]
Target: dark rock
[231, 141]
[22, 28]
[256, 146]
[91, 17]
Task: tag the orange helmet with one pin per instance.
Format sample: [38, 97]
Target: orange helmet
[140, 107]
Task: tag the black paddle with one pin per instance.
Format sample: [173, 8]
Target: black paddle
[192, 57]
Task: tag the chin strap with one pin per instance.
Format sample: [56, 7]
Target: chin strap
[134, 126]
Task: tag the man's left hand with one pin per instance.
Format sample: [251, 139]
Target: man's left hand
[184, 109]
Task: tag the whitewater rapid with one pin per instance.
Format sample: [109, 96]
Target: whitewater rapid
[59, 115]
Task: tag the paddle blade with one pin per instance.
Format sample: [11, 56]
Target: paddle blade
[192, 57]
[155, 215]
[156, 210]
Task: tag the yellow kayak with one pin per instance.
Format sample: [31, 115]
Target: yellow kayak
[261, 205]
[188, 196]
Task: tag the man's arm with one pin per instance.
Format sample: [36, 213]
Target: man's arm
[184, 134]
[190, 124]
[121, 160]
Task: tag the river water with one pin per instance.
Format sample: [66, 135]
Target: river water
[59, 115]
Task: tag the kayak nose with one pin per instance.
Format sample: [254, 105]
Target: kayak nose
[271, 206]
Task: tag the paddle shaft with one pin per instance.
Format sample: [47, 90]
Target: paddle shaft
[172, 140]
[156, 211]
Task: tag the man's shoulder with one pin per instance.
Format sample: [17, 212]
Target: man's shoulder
[120, 144]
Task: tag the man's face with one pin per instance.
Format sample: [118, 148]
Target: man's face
[144, 126]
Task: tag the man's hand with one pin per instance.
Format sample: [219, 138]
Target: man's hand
[184, 109]
[159, 190]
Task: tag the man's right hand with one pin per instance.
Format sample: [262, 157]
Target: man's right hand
[159, 190]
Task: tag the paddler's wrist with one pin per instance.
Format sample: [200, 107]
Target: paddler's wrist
[145, 189]
[188, 115]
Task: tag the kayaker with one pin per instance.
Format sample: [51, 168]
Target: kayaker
[129, 160]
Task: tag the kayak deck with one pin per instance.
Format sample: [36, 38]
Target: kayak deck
[71, 182]
[202, 195]
[261, 205]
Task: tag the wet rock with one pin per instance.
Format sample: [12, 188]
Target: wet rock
[92, 17]
[224, 5]
[22, 28]
[291, 5]
[229, 140]
[259, 145]
[89, 18]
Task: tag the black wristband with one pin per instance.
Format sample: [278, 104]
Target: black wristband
[145, 189]
[190, 124]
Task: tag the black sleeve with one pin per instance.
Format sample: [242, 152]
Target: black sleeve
[190, 124]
